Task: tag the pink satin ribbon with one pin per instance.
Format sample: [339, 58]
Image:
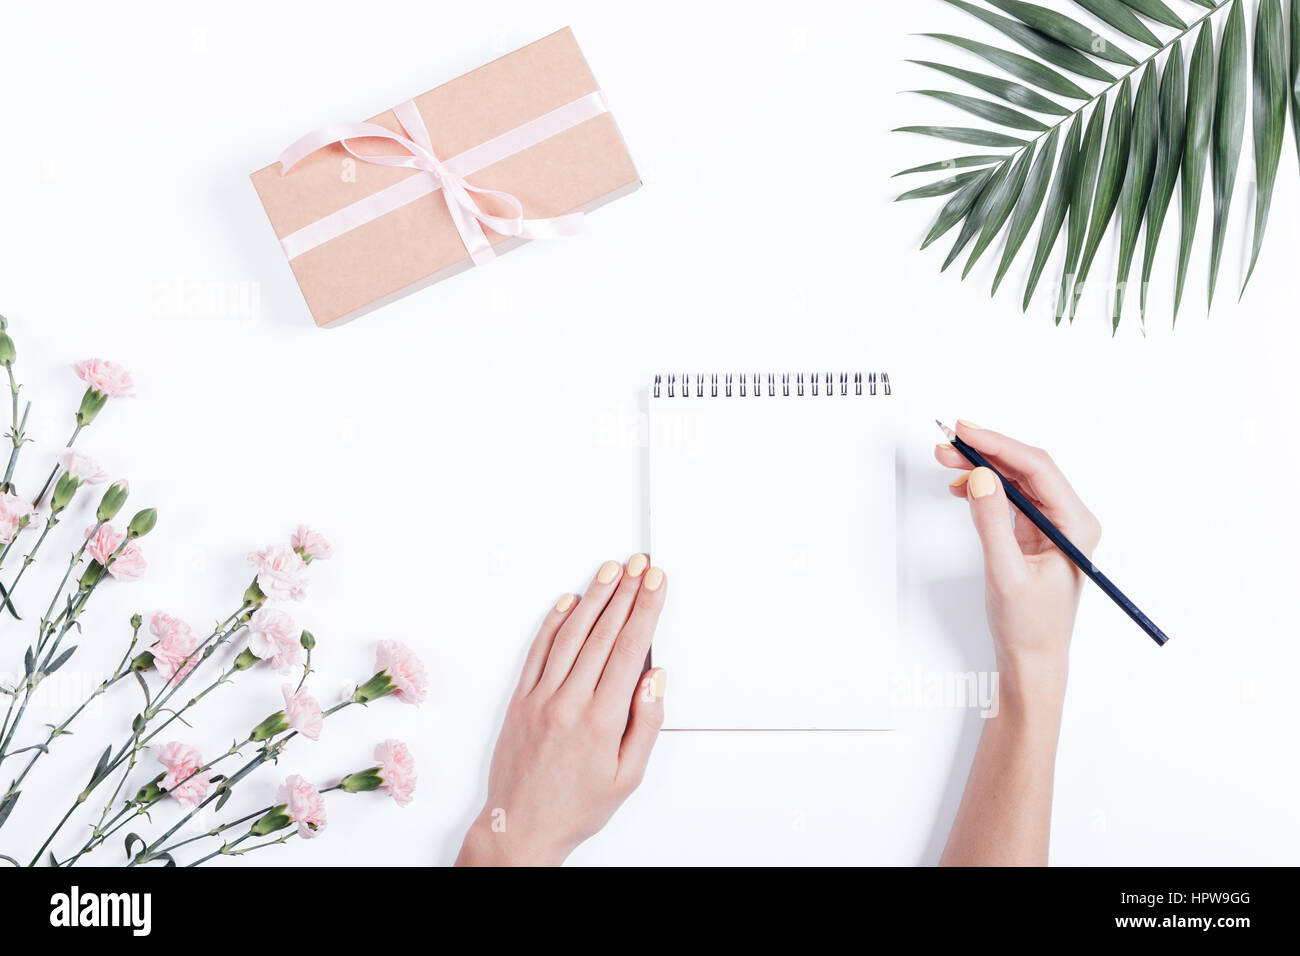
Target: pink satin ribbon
[445, 175]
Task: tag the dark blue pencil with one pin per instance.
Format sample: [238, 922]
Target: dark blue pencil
[1055, 536]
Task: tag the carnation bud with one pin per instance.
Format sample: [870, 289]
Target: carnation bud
[253, 596]
[245, 660]
[8, 354]
[378, 686]
[142, 523]
[64, 490]
[142, 661]
[308, 640]
[275, 724]
[275, 819]
[150, 793]
[362, 781]
[112, 502]
[94, 571]
[136, 622]
[91, 403]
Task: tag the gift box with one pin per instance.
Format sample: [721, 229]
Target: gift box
[518, 149]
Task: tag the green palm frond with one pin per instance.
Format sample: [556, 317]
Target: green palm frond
[1094, 134]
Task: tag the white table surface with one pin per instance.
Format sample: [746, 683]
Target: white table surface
[475, 450]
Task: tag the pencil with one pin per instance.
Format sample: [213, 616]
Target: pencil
[1054, 535]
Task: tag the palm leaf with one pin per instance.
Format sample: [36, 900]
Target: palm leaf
[1058, 203]
[1028, 205]
[1270, 95]
[1173, 124]
[1229, 127]
[1157, 11]
[1143, 144]
[961, 162]
[1110, 177]
[1121, 18]
[1008, 90]
[993, 112]
[1053, 51]
[1081, 203]
[1127, 145]
[1196, 148]
[1060, 27]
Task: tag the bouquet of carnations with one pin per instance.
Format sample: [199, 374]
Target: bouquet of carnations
[145, 766]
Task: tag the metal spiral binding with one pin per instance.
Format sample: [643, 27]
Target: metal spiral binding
[742, 385]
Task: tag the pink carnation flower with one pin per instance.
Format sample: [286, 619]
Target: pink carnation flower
[129, 565]
[176, 642]
[312, 545]
[274, 638]
[302, 711]
[81, 466]
[280, 572]
[183, 779]
[304, 804]
[397, 767]
[410, 683]
[13, 510]
[107, 378]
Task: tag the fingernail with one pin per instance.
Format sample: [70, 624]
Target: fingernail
[983, 483]
[944, 446]
[658, 683]
[962, 421]
[636, 565]
[564, 603]
[608, 572]
[961, 480]
[653, 578]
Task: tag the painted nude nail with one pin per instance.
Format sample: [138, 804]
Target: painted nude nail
[653, 579]
[983, 482]
[636, 565]
[566, 602]
[608, 572]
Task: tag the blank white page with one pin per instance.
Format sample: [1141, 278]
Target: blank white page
[774, 517]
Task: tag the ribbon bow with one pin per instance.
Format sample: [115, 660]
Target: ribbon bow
[447, 177]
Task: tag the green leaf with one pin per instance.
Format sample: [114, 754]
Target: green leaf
[1196, 148]
[1008, 90]
[1001, 203]
[1081, 202]
[1122, 19]
[1229, 127]
[957, 208]
[1058, 203]
[978, 213]
[1173, 121]
[1043, 46]
[941, 188]
[1208, 4]
[1027, 208]
[1031, 71]
[993, 112]
[1143, 145]
[1157, 11]
[7, 805]
[961, 162]
[60, 660]
[1110, 176]
[1270, 96]
[1295, 73]
[1060, 27]
[964, 134]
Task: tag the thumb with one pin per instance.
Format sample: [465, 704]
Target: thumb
[643, 729]
[991, 513]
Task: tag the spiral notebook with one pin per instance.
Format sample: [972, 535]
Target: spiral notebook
[772, 508]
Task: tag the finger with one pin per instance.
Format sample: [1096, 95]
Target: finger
[535, 662]
[957, 487]
[595, 651]
[950, 457]
[1035, 472]
[1003, 562]
[643, 727]
[627, 660]
[573, 632]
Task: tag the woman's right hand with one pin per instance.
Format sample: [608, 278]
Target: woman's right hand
[1032, 589]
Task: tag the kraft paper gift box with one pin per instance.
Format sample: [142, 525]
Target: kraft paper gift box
[520, 148]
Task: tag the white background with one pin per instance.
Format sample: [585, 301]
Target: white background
[476, 450]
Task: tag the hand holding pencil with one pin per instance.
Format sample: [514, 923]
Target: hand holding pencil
[1032, 589]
